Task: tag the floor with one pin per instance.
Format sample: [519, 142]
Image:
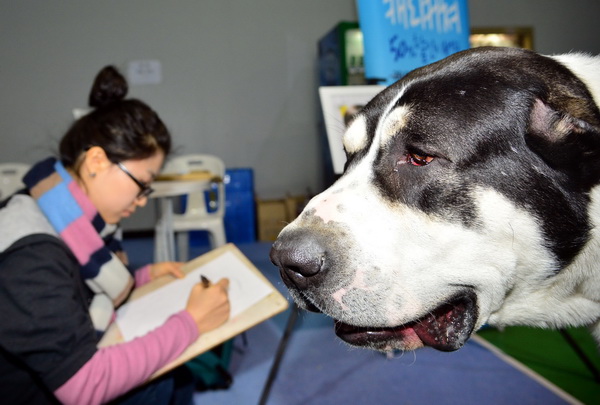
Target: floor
[317, 368]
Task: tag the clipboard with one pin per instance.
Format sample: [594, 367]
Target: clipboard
[269, 306]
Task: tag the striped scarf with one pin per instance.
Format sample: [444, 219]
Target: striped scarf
[76, 220]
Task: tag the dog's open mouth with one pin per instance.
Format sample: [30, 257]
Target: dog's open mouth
[446, 328]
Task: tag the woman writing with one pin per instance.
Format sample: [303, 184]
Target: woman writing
[60, 273]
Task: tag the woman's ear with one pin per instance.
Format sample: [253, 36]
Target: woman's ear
[95, 161]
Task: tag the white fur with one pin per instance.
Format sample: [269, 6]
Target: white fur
[393, 123]
[586, 68]
[419, 256]
[355, 137]
[571, 298]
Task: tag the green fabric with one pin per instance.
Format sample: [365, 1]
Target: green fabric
[211, 367]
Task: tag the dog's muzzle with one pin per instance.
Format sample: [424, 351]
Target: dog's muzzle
[304, 264]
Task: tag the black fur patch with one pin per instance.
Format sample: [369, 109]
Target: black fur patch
[473, 113]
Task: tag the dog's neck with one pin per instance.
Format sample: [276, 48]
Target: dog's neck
[573, 294]
[588, 264]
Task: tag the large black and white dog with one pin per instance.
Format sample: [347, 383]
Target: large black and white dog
[471, 195]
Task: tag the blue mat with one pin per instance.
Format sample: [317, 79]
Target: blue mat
[318, 368]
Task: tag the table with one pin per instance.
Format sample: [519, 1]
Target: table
[164, 191]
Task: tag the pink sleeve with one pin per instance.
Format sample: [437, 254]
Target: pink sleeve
[115, 370]
[142, 275]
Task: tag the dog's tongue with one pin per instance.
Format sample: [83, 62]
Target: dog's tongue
[447, 328]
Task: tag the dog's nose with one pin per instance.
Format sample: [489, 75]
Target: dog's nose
[299, 256]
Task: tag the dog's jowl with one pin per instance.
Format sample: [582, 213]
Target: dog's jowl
[470, 196]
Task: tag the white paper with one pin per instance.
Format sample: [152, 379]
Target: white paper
[140, 316]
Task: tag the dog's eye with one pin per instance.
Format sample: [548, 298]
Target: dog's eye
[416, 159]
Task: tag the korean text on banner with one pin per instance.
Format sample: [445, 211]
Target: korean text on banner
[401, 35]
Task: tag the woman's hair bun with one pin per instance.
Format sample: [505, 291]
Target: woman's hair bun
[109, 86]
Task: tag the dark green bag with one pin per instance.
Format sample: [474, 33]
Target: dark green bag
[211, 368]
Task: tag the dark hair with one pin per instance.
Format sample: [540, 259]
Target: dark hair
[125, 129]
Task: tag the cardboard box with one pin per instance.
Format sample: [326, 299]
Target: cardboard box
[273, 215]
[272, 218]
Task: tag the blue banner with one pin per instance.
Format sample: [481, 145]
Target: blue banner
[401, 35]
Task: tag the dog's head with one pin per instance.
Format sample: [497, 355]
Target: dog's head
[466, 183]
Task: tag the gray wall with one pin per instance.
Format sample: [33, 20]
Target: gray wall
[239, 77]
[559, 25]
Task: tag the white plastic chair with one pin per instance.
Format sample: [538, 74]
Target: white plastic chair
[11, 178]
[196, 216]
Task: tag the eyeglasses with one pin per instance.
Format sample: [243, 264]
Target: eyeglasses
[145, 189]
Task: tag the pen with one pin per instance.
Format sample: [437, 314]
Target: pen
[205, 281]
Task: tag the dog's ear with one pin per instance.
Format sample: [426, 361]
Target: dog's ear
[566, 143]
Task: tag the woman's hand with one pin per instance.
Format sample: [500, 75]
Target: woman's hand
[209, 306]
[163, 268]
